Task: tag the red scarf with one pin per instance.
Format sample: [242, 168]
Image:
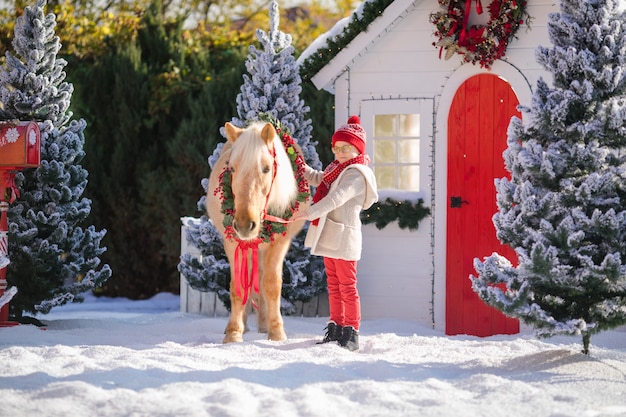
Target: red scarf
[331, 173]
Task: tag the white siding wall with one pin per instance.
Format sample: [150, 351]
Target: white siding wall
[395, 273]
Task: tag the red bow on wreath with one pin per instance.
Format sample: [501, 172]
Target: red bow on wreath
[10, 187]
[468, 6]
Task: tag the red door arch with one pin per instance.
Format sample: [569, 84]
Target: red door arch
[477, 123]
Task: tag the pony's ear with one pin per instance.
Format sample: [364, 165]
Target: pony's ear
[232, 132]
[268, 133]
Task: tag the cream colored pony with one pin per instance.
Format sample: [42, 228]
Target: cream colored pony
[261, 182]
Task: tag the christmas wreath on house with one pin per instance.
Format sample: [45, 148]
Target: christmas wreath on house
[481, 44]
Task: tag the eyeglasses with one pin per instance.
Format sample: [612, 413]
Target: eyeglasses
[342, 149]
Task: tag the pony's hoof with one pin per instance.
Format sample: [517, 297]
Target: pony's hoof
[277, 335]
[233, 337]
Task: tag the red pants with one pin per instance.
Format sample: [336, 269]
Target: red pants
[343, 296]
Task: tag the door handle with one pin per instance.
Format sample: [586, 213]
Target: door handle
[457, 202]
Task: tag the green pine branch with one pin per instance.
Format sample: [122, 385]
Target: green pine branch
[407, 213]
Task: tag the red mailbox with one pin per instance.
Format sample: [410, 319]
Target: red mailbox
[20, 147]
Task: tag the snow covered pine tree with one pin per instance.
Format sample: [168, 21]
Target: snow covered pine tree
[564, 208]
[53, 260]
[271, 90]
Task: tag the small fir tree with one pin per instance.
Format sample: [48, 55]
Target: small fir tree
[273, 87]
[271, 90]
[53, 259]
[564, 208]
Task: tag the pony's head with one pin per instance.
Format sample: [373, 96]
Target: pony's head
[262, 178]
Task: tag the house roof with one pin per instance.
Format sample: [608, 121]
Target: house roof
[391, 15]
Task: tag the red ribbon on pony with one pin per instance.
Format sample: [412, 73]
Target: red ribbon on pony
[243, 280]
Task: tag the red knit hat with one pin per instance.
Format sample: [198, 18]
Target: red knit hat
[352, 133]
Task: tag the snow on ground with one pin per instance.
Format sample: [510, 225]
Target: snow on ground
[115, 357]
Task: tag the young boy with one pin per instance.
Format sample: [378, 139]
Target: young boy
[344, 188]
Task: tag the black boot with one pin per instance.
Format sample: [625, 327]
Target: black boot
[349, 339]
[333, 333]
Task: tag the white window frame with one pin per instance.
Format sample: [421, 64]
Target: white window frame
[421, 106]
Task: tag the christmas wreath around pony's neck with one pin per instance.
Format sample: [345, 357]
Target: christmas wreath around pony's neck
[277, 221]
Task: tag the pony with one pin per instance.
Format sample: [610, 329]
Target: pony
[261, 180]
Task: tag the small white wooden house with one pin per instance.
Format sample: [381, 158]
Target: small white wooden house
[436, 128]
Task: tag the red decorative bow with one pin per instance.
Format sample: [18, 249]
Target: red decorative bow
[10, 186]
[244, 280]
[468, 7]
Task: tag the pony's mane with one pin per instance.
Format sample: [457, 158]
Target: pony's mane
[248, 149]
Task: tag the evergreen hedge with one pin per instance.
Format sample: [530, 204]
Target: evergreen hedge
[154, 108]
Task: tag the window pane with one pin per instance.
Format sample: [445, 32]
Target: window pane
[385, 177]
[409, 125]
[384, 151]
[396, 151]
[384, 125]
[409, 178]
[409, 151]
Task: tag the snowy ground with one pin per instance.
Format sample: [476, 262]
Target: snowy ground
[114, 357]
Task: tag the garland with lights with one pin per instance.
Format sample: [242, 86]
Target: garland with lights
[407, 213]
[314, 63]
[270, 228]
[481, 44]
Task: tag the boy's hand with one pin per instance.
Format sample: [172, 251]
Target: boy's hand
[298, 216]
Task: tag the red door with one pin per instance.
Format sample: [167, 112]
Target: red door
[477, 123]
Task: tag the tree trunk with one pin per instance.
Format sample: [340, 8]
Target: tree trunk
[586, 341]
